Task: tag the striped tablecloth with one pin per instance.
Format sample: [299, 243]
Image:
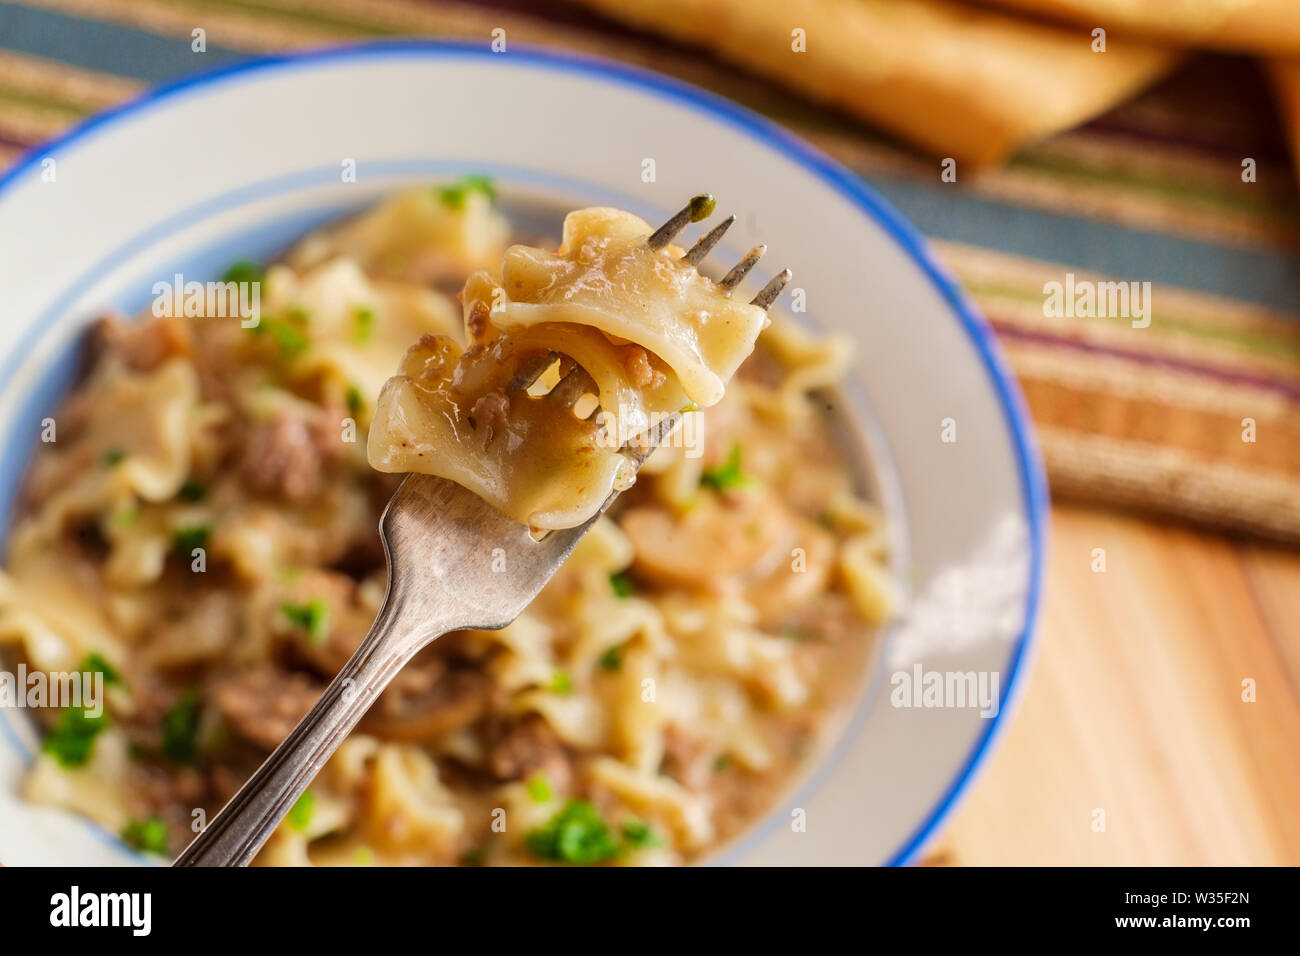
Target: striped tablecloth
[1193, 415]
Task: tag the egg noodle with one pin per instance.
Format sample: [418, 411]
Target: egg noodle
[199, 527]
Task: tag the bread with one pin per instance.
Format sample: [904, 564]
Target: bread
[1262, 26]
[956, 80]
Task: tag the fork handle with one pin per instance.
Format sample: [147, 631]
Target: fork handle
[234, 835]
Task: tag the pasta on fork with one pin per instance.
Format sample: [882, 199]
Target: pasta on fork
[638, 334]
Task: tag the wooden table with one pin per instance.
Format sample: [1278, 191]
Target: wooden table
[1134, 707]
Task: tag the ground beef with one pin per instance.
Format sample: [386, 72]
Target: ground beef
[147, 344]
[489, 414]
[636, 361]
[449, 700]
[264, 705]
[522, 747]
[286, 456]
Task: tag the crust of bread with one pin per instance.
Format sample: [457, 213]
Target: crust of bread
[1258, 26]
[957, 81]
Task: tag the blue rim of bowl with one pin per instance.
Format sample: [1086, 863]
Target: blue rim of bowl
[1032, 478]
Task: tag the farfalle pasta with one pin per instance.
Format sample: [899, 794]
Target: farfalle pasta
[203, 533]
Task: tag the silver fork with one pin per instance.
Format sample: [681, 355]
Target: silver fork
[439, 541]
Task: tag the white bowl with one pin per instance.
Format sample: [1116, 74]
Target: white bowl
[236, 163]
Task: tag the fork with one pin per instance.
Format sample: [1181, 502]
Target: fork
[441, 542]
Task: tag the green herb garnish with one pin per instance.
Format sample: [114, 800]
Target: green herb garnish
[311, 618]
[114, 457]
[702, 207]
[72, 740]
[244, 271]
[475, 856]
[192, 491]
[576, 834]
[539, 788]
[95, 664]
[180, 728]
[638, 834]
[721, 762]
[186, 540]
[289, 338]
[365, 324]
[453, 196]
[622, 584]
[612, 659]
[561, 682]
[299, 815]
[147, 835]
[354, 400]
[726, 476]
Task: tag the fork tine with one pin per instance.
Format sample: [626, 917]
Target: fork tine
[771, 290]
[700, 207]
[741, 268]
[638, 448]
[704, 245]
[572, 387]
[531, 370]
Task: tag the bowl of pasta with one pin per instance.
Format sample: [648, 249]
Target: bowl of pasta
[791, 640]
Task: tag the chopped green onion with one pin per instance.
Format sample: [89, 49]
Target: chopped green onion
[561, 682]
[539, 788]
[638, 834]
[290, 339]
[475, 856]
[702, 207]
[576, 834]
[354, 400]
[147, 835]
[95, 664]
[299, 815]
[180, 728]
[453, 196]
[72, 740]
[622, 584]
[365, 324]
[612, 659]
[114, 457]
[186, 540]
[192, 491]
[244, 271]
[311, 618]
[726, 476]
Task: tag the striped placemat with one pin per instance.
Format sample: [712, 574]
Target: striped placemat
[1190, 410]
